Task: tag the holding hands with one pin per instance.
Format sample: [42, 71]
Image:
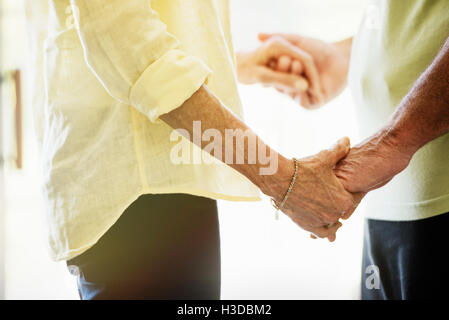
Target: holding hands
[318, 199]
[281, 64]
[288, 59]
[330, 184]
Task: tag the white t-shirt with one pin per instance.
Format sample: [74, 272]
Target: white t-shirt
[397, 41]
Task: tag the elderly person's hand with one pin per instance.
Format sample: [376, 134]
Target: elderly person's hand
[258, 66]
[373, 163]
[318, 199]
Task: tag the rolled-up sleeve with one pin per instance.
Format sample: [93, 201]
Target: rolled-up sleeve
[139, 63]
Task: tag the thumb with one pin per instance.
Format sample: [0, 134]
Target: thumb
[295, 39]
[281, 80]
[338, 151]
[264, 36]
[357, 198]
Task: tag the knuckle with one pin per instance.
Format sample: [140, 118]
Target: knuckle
[274, 42]
[276, 39]
[308, 59]
[348, 204]
[263, 77]
[324, 154]
[331, 218]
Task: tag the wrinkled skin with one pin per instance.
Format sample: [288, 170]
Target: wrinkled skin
[319, 199]
[372, 163]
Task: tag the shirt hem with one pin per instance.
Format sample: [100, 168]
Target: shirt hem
[408, 211]
[72, 253]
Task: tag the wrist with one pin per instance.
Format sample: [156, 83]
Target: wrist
[398, 142]
[275, 186]
[242, 61]
[344, 48]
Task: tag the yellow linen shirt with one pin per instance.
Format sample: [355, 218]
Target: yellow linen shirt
[109, 69]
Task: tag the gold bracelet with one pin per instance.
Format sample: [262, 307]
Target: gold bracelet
[290, 188]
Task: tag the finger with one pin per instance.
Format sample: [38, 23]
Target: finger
[333, 231]
[272, 64]
[327, 232]
[309, 67]
[300, 98]
[297, 67]
[284, 64]
[332, 237]
[312, 102]
[310, 70]
[293, 38]
[357, 198]
[264, 36]
[312, 236]
[304, 100]
[280, 90]
[285, 81]
[337, 152]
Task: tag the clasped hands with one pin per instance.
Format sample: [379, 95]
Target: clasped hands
[330, 184]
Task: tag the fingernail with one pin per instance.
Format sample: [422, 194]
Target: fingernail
[345, 141]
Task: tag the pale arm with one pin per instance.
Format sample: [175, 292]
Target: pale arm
[146, 69]
[318, 197]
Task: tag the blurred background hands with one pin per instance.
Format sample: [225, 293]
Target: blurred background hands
[310, 71]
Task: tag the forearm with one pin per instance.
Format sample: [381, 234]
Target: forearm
[423, 115]
[244, 77]
[203, 106]
[345, 47]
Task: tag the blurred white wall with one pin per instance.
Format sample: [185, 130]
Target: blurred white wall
[262, 258]
[30, 274]
[268, 259]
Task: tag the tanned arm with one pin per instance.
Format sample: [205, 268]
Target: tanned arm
[422, 116]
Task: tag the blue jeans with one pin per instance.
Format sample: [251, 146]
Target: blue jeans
[162, 247]
[406, 259]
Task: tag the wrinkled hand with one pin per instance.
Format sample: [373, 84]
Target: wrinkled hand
[372, 163]
[329, 60]
[318, 199]
[254, 67]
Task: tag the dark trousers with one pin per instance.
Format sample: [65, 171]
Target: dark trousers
[162, 247]
[406, 259]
